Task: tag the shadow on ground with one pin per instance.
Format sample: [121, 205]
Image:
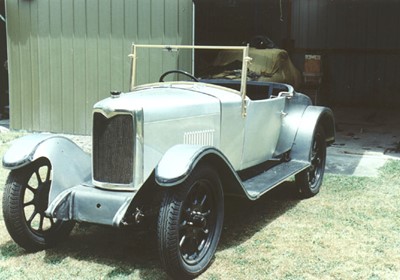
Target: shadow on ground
[132, 252]
[244, 218]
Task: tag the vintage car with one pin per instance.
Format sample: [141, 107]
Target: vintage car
[173, 150]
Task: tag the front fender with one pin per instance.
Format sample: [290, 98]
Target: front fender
[70, 164]
[177, 163]
[22, 151]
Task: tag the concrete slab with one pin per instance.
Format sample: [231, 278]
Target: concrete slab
[365, 140]
[354, 164]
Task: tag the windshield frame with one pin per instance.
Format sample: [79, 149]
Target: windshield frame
[245, 61]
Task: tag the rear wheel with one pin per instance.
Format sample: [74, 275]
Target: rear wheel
[25, 200]
[309, 181]
[190, 224]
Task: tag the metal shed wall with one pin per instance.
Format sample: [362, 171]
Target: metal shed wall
[360, 46]
[357, 40]
[66, 55]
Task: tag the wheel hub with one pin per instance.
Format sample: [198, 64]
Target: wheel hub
[198, 220]
[197, 224]
[41, 197]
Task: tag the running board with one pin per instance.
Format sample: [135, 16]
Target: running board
[271, 178]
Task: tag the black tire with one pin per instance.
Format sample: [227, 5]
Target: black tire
[190, 224]
[25, 200]
[309, 181]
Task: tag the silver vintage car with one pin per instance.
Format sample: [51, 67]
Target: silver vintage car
[175, 149]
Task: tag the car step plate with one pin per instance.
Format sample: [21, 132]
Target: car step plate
[271, 178]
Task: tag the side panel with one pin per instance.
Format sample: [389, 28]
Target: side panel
[161, 136]
[232, 122]
[263, 126]
[294, 110]
[232, 130]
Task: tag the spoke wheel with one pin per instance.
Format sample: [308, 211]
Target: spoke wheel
[25, 201]
[190, 224]
[197, 223]
[309, 181]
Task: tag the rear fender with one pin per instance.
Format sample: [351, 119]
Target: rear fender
[70, 164]
[312, 117]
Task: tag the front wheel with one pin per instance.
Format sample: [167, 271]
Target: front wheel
[309, 181]
[190, 224]
[25, 200]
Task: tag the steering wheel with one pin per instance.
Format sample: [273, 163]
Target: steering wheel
[161, 80]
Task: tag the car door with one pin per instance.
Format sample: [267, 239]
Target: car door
[262, 129]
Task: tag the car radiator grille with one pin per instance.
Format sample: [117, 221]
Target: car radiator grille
[113, 149]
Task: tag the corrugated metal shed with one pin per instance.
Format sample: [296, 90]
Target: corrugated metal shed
[357, 40]
[359, 44]
[66, 55]
[3, 63]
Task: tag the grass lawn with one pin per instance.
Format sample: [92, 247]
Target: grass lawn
[351, 230]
